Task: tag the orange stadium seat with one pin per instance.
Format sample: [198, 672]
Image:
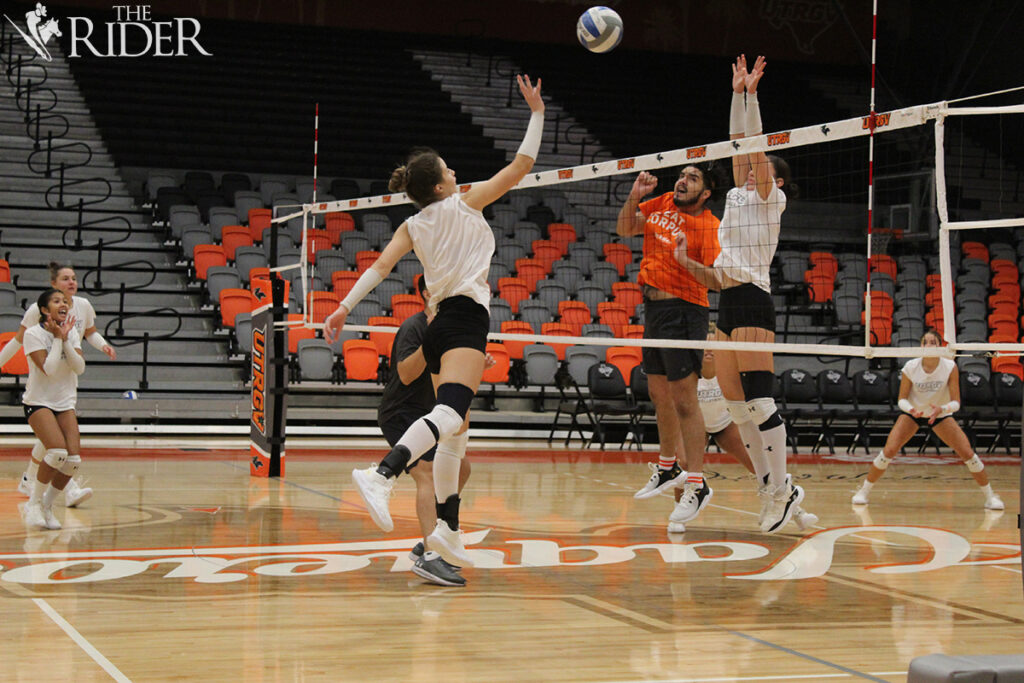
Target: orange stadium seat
[1008, 364]
[361, 359]
[575, 314]
[625, 358]
[975, 250]
[234, 301]
[629, 294]
[207, 255]
[820, 285]
[498, 373]
[5, 271]
[614, 316]
[546, 252]
[560, 330]
[619, 255]
[405, 305]
[297, 333]
[336, 223]
[259, 220]
[322, 304]
[824, 261]
[365, 259]
[18, 364]
[514, 346]
[562, 234]
[342, 281]
[633, 332]
[383, 340]
[513, 290]
[884, 263]
[531, 271]
[232, 237]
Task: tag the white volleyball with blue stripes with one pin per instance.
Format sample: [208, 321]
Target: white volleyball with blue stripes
[599, 29]
[130, 394]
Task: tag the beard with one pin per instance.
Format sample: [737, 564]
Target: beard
[685, 203]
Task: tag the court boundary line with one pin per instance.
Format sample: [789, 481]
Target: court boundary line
[81, 641]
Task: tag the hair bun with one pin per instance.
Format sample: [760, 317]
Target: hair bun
[399, 180]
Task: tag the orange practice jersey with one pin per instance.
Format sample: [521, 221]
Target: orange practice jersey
[659, 267]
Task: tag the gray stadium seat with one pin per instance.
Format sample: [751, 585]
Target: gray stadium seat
[219, 278]
[541, 364]
[243, 332]
[245, 200]
[316, 360]
[535, 312]
[271, 187]
[377, 229]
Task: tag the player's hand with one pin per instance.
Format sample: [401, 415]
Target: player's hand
[109, 350]
[333, 324]
[489, 361]
[935, 412]
[643, 185]
[755, 74]
[530, 92]
[53, 328]
[680, 250]
[739, 74]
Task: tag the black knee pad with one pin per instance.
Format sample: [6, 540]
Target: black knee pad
[456, 396]
[757, 384]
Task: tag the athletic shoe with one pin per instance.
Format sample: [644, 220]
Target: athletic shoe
[661, 480]
[24, 486]
[676, 527]
[435, 570]
[448, 544]
[804, 520]
[861, 497]
[994, 502]
[75, 494]
[51, 521]
[785, 500]
[34, 515]
[764, 492]
[375, 490]
[417, 551]
[691, 503]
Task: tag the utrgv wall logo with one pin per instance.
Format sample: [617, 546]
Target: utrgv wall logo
[39, 31]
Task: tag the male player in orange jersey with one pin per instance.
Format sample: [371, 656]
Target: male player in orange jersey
[675, 307]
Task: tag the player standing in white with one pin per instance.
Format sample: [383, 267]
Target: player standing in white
[929, 395]
[55, 361]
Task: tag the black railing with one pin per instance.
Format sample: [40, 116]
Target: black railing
[123, 340]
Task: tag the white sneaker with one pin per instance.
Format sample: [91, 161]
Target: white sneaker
[994, 502]
[785, 500]
[75, 494]
[676, 527]
[375, 490]
[861, 497]
[804, 520]
[34, 515]
[25, 486]
[691, 503]
[49, 519]
[448, 544]
[661, 480]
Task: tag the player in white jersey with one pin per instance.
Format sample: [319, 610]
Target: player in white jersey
[719, 426]
[748, 236]
[63, 278]
[55, 361]
[454, 244]
[929, 395]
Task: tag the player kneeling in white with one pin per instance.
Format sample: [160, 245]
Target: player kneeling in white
[929, 395]
[54, 352]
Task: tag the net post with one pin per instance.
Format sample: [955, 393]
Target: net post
[945, 265]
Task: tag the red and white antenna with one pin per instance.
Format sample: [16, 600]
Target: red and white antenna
[871, 171]
[316, 144]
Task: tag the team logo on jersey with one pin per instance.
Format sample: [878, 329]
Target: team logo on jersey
[38, 32]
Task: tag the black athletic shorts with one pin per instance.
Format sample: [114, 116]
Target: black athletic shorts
[394, 426]
[745, 305]
[923, 421]
[460, 323]
[31, 409]
[674, 319]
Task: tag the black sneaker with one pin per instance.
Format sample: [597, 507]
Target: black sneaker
[435, 570]
[661, 480]
[417, 551]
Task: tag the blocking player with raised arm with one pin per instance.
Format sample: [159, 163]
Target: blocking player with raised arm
[54, 352]
[454, 244]
[675, 307]
[929, 395]
[63, 278]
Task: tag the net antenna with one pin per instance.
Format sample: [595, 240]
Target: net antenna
[872, 122]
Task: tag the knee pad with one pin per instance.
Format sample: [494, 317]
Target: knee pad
[881, 462]
[457, 396]
[974, 465]
[444, 421]
[763, 413]
[757, 384]
[454, 445]
[38, 451]
[55, 458]
[71, 465]
[738, 411]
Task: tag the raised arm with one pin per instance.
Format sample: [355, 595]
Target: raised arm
[737, 120]
[504, 180]
[399, 246]
[631, 220]
[764, 179]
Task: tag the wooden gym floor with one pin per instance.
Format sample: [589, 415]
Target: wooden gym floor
[182, 567]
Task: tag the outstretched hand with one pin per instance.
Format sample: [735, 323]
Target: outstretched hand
[530, 92]
[333, 324]
[739, 74]
[751, 80]
[643, 185]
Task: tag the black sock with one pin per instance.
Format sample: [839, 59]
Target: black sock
[448, 511]
[395, 462]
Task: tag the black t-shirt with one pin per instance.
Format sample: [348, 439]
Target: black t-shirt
[417, 397]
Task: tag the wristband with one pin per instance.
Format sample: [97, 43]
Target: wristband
[530, 146]
[951, 407]
[9, 350]
[753, 116]
[75, 360]
[905, 405]
[363, 286]
[52, 361]
[737, 113]
[96, 340]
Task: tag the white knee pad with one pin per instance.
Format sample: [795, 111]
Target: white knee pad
[760, 409]
[445, 419]
[881, 462]
[738, 411]
[454, 445]
[55, 458]
[38, 451]
[974, 465]
[71, 465]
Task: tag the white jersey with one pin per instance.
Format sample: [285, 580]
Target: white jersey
[749, 235]
[712, 405]
[928, 388]
[454, 244]
[81, 310]
[59, 390]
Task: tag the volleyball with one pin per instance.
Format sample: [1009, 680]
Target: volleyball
[599, 29]
[130, 394]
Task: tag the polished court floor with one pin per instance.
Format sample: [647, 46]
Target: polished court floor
[182, 567]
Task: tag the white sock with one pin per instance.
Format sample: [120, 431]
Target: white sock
[866, 486]
[33, 470]
[774, 442]
[447, 463]
[48, 495]
[987, 490]
[38, 489]
[751, 436]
